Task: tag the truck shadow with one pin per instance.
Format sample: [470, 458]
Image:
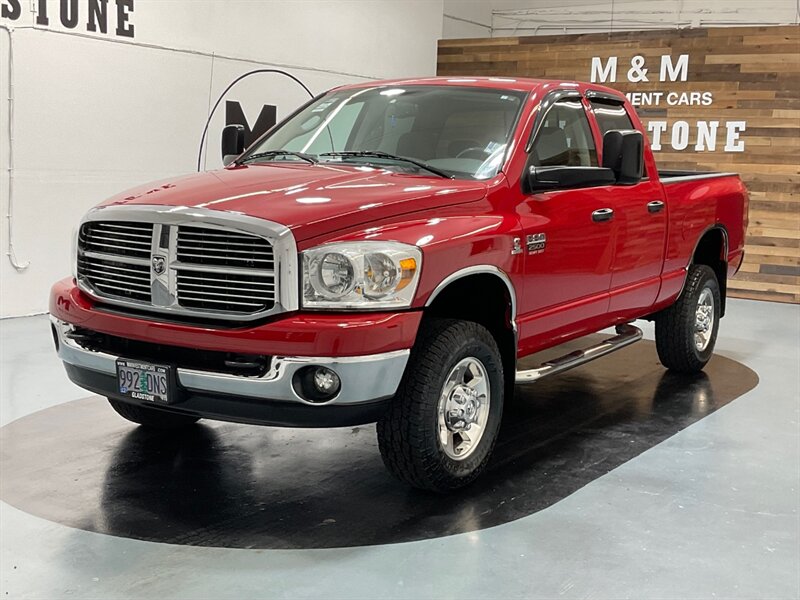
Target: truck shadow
[227, 485]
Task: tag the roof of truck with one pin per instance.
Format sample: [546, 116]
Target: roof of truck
[511, 83]
[521, 84]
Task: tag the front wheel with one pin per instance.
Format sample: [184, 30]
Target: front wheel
[442, 424]
[687, 331]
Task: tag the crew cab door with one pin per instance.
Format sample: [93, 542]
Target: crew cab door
[640, 216]
[568, 244]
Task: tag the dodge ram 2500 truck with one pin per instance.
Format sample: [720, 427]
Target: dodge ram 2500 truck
[387, 253]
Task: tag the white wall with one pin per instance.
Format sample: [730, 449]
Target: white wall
[548, 17]
[467, 19]
[95, 114]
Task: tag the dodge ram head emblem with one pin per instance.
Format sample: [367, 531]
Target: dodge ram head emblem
[159, 265]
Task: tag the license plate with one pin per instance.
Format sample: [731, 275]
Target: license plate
[143, 381]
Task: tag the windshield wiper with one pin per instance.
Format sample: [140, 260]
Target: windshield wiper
[273, 153]
[386, 155]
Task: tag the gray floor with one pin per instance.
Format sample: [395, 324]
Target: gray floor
[710, 513]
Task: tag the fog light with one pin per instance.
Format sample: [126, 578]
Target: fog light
[316, 383]
[326, 381]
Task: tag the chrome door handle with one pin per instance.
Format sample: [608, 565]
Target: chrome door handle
[655, 206]
[603, 214]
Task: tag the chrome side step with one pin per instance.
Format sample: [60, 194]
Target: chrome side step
[626, 335]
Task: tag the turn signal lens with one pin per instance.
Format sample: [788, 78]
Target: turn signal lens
[408, 268]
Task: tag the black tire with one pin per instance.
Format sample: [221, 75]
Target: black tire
[408, 432]
[675, 326]
[152, 418]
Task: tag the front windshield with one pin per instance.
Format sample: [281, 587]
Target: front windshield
[458, 132]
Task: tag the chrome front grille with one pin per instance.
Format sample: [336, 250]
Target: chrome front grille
[233, 292]
[122, 238]
[222, 270]
[206, 263]
[119, 279]
[115, 258]
[197, 245]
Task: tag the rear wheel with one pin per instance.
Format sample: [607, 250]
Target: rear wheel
[687, 331]
[442, 424]
[151, 417]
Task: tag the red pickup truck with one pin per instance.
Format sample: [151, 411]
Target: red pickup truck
[387, 253]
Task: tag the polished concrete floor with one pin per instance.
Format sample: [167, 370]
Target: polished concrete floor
[613, 481]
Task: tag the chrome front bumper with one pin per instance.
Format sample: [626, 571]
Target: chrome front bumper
[364, 379]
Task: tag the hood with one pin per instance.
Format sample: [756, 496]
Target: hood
[309, 199]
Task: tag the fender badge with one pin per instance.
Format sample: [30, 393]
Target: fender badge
[536, 243]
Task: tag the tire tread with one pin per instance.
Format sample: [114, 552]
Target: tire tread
[674, 343]
[407, 448]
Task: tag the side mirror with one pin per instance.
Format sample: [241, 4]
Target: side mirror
[232, 143]
[540, 179]
[623, 153]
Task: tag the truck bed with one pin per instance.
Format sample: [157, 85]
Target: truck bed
[700, 201]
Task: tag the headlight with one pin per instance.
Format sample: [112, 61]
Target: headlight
[360, 275]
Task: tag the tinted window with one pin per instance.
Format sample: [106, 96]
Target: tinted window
[611, 117]
[564, 138]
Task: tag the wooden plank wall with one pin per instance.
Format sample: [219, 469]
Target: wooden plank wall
[753, 75]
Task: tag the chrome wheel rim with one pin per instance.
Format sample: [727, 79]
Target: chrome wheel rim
[463, 408]
[704, 319]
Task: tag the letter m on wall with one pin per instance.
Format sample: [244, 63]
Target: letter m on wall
[234, 115]
[603, 73]
[674, 72]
